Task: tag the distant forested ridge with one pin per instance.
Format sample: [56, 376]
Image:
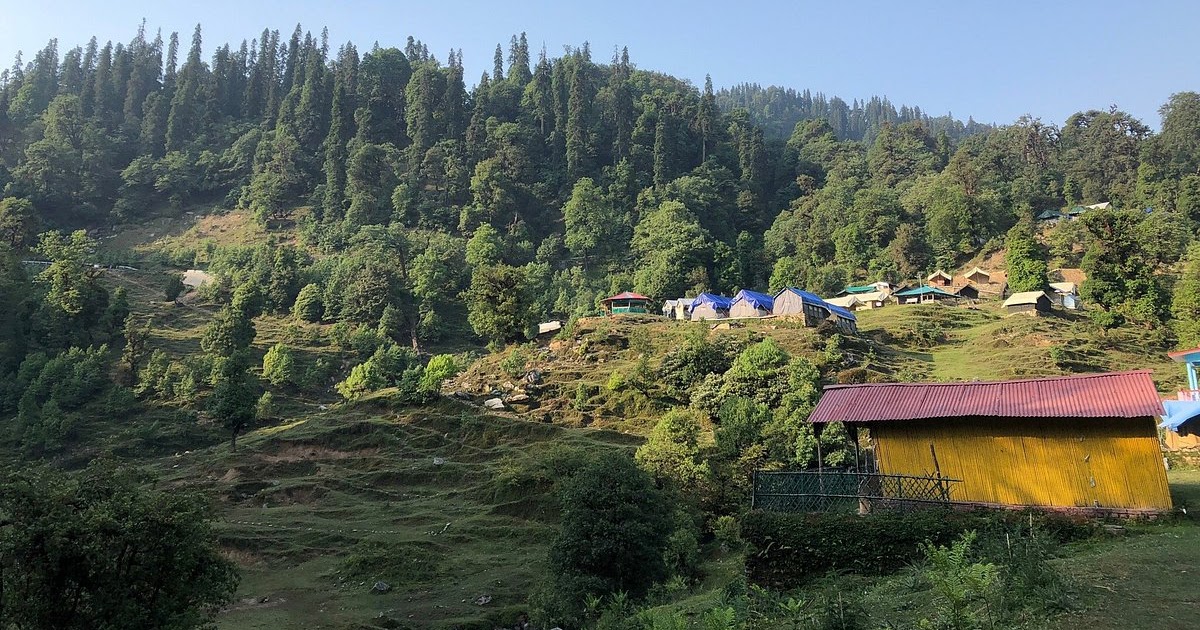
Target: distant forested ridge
[778, 109]
[554, 180]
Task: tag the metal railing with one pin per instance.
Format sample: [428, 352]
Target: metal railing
[831, 491]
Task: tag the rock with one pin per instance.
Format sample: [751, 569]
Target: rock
[508, 387]
[381, 587]
[533, 377]
[518, 399]
[494, 404]
[483, 600]
[438, 461]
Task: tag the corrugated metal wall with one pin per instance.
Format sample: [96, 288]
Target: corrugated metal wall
[1060, 462]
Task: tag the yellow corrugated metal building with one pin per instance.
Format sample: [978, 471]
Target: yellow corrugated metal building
[1069, 442]
[1092, 463]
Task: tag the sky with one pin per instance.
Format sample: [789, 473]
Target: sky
[994, 61]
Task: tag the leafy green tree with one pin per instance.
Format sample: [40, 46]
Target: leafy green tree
[593, 224]
[308, 306]
[1185, 304]
[1025, 259]
[499, 307]
[105, 548]
[173, 287]
[614, 530]
[672, 250]
[18, 221]
[672, 452]
[279, 365]
[235, 395]
[134, 352]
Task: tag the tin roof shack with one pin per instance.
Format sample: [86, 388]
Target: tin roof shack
[1027, 303]
[1084, 442]
[710, 306]
[751, 304]
[625, 303]
[802, 305]
[923, 295]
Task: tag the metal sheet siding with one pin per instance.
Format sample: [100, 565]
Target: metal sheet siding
[1113, 395]
[1112, 463]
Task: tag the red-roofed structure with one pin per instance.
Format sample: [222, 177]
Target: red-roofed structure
[1109, 395]
[626, 302]
[1087, 441]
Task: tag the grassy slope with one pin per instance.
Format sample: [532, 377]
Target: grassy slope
[326, 485]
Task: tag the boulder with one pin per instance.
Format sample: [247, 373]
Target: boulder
[495, 404]
[518, 399]
[381, 587]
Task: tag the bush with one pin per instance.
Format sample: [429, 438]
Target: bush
[173, 287]
[514, 364]
[279, 366]
[439, 368]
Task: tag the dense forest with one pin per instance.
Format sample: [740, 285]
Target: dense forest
[551, 182]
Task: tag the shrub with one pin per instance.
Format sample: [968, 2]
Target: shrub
[439, 368]
[173, 287]
[514, 364]
[309, 306]
[279, 366]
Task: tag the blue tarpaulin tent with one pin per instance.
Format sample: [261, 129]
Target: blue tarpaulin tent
[749, 303]
[711, 306]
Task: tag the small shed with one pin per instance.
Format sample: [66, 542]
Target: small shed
[751, 304]
[626, 303]
[1065, 294]
[967, 291]
[923, 295]
[710, 306]
[1086, 441]
[195, 278]
[802, 305]
[1028, 303]
[940, 278]
[845, 321]
[1051, 216]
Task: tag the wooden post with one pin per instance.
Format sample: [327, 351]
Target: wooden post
[937, 470]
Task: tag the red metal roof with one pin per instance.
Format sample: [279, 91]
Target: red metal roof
[627, 295]
[1111, 395]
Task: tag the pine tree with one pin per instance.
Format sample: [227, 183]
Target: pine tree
[190, 102]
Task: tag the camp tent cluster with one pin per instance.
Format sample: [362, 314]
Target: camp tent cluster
[790, 303]
[1086, 441]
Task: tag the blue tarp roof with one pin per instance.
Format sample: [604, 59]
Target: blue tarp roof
[922, 291]
[841, 312]
[718, 302]
[755, 299]
[1178, 412]
[810, 298]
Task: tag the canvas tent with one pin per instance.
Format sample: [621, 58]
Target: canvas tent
[802, 305]
[751, 304]
[1027, 302]
[845, 321]
[710, 306]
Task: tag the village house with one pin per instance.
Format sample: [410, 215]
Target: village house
[1027, 303]
[748, 303]
[923, 295]
[710, 306]
[1083, 442]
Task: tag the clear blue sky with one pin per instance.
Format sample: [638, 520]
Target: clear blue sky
[992, 60]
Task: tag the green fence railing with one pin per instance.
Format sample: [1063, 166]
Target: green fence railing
[832, 491]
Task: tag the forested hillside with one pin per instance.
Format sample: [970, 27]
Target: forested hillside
[369, 219]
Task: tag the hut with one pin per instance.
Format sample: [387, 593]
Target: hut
[1181, 422]
[967, 291]
[710, 306]
[848, 302]
[626, 303]
[802, 305]
[1065, 294]
[874, 287]
[1051, 216]
[845, 321]
[1086, 441]
[751, 304]
[923, 295]
[939, 278]
[195, 278]
[1027, 303]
